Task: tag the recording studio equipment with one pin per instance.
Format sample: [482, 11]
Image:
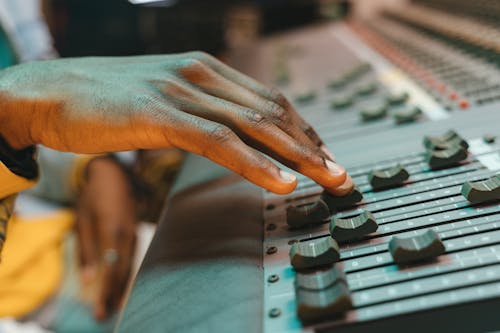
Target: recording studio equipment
[409, 102]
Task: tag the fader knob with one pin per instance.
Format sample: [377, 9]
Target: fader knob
[307, 214]
[397, 98]
[338, 203]
[407, 115]
[438, 159]
[342, 102]
[445, 141]
[347, 229]
[314, 253]
[374, 113]
[482, 191]
[366, 89]
[305, 97]
[421, 247]
[380, 179]
[320, 279]
[327, 303]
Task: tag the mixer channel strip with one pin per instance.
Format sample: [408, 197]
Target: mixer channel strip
[458, 259]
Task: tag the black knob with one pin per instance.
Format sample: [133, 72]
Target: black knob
[438, 159]
[445, 141]
[482, 191]
[348, 229]
[336, 204]
[298, 216]
[385, 178]
[314, 253]
[425, 246]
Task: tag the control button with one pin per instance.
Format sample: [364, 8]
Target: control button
[438, 159]
[397, 98]
[407, 115]
[482, 191]
[336, 204]
[342, 102]
[366, 89]
[489, 138]
[305, 97]
[307, 214]
[374, 113]
[331, 302]
[313, 253]
[421, 247]
[395, 176]
[348, 229]
[320, 279]
[444, 141]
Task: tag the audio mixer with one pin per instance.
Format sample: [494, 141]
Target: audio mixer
[408, 100]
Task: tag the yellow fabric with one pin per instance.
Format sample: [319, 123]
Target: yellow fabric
[11, 183]
[32, 262]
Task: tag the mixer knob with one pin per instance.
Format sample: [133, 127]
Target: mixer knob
[305, 97]
[331, 302]
[374, 113]
[366, 89]
[438, 159]
[336, 204]
[307, 214]
[320, 279]
[314, 253]
[407, 115]
[482, 191]
[342, 102]
[397, 98]
[395, 176]
[445, 141]
[421, 247]
[348, 229]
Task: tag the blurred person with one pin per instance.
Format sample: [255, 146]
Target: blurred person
[189, 101]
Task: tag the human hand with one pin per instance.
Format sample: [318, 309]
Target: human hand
[190, 101]
[106, 230]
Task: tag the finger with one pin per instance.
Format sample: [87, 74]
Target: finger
[343, 189]
[220, 144]
[86, 235]
[258, 88]
[217, 85]
[262, 134]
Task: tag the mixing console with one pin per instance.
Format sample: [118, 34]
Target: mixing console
[409, 102]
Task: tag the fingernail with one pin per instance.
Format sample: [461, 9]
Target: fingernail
[335, 169]
[328, 153]
[287, 177]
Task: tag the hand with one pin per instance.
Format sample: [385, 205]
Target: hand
[106, 220]
[190, 101]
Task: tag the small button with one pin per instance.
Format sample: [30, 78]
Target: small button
[305, 97]
[381, 179]
[407, 115]
[373, 113]
[444, 141]
[397, 98]
[336, 204]
[489, 138]
[482, 191]
[366, 89]
[298, 216]
[314, 253]
[438, 159]
[425, 246]
[328, 303]
[342, 102]
[348, 229]
[320, 279]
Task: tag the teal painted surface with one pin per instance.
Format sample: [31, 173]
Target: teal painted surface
[7, 56]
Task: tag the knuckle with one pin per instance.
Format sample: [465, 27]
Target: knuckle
[278, 113]
[220, 133]
[198, 55]
[277, 97]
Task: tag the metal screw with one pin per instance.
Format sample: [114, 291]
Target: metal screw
[273, 278]
[271, 226]
[274, 312]
[272, 249]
